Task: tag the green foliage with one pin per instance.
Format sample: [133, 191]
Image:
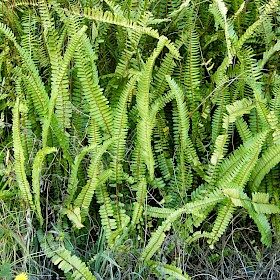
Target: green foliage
[138, 119]
[61, 257]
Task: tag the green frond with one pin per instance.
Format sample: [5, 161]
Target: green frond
[225, 214]
[51, 39]
[162, 147]
[216, 159]
[183, 140]
[239, 165]
[268, 54]
[131, 44]
[262, 205]
[157, 212]
[137, 166]
[73, 179]
[94, 133]
[192, 74]
[88, 76]
[63, 258]
[144, 127]
[140, 202]
[197, 235]
[27, 137]
[267, 9]
[85, 196]
[219, 151]
[19, 156]
[120, 130]
[239, 198]
[166, 68]
[219, 10]
[159, 104]
[117, 19]
[163, 270]
[217, 121]
[243, 129]
[158, 236]
[36, 170]
[106, 211]
[270, 158]
[41, 99]
[237, 109]
[263, 227]
[59, 80]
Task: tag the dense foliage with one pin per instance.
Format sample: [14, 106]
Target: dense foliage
[125, 121]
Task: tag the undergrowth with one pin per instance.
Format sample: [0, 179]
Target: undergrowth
[139, 139]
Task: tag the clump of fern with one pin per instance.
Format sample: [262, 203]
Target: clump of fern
[135, 120]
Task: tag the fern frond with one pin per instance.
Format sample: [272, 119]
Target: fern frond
[117, 19]
[219, 10]
[41, 100]
[269, 159]
[263, 227]
[219, 150]
[159, 104]
[85, 196]
[140, 201]
[162, 147]
[238, 167]
[73, 180]
[36, 170]
[262, 205]
[268, 8]
[158, 236]
[88, 76]
[60, 256]
[243, 129]
[144, 128]
[171, 270]
[157, 212]
[120, 130]
[225, 214]
[19, 157]
[268, 54]
[239, 198]
[59, 79]
[237, 109]
[184, 141]
[106, 211]
[166, 68]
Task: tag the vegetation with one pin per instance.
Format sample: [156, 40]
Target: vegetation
[135, 135]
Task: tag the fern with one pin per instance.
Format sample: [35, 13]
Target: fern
[19, 156]
[98, 104]
[85, 196]
[73, 180]
[117, 19]
[36, 170]
[144, 128]
[59, 80]
[163, 270]
[238, 167]
[225, 214]
[40, 99]
[106, 211]
[158, 236]
[269, 159]
[63, 258]
[139, 204]
[259, 203]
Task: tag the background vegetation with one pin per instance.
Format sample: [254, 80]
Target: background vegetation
[140, 139]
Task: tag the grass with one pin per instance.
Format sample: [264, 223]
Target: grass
[237, 255]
